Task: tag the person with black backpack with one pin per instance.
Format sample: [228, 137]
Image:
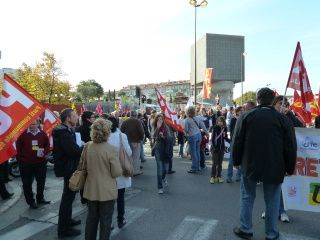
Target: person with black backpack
[66, 159]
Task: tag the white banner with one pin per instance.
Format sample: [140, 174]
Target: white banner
[301, 191]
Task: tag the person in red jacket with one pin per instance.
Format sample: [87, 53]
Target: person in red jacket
[32, 147]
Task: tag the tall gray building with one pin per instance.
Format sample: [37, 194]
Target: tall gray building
[223, 53]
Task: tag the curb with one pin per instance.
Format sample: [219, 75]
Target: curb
[6, 204]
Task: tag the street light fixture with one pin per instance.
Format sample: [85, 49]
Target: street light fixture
[241, 64]
[195, 4]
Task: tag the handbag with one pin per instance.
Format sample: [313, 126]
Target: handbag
[125, 160]
[78, 178]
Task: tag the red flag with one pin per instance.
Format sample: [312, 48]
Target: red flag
[207, 84]
[99, 109]
[49, 122]
[170, 117]
[298, 77]
[299, 109]
[276, 93]
[18, 109]
[83, 108]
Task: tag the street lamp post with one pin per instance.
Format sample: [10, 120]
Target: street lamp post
[241, 64]
[195, 4]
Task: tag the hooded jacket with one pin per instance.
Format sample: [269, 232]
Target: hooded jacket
[66, 151]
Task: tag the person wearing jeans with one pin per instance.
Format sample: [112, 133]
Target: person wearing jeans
[162, 150]
[230, 169]
[194, 143]
[261, 129]
[192, 129]
[272, 201]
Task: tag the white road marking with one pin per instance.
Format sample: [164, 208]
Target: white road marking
[194, 228]
[132, 214]
[285, 236]
[26, 231]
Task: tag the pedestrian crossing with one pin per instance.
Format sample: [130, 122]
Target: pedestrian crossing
[194, 228]
[190, 227]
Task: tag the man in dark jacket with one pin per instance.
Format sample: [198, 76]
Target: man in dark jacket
[66, 155]
[264, 144]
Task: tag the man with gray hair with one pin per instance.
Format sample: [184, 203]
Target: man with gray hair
[133, 128]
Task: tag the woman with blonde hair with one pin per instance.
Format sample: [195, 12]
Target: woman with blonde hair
[102, 164]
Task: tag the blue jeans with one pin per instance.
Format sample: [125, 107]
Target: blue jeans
[142, 152]
[230, 167]
[162, 167]
[181, 149]
[272, 201]
[194, 143]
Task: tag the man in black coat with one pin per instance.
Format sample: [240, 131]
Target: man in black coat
[66, 156]
[264, 144]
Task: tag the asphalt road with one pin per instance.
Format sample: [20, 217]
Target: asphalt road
[191, 208]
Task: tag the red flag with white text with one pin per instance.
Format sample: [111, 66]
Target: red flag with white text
[18, 109]
[50, 121]
[298, 77]
[170, 117]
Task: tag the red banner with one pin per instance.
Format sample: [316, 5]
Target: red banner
[170, 117]
[18, 109]
[207, 84]
[50, 121]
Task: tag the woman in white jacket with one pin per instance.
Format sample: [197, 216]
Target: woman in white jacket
[122, 182]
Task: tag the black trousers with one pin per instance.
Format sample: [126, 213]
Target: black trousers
[217, 158]
[65, 210]
[99, 212]
[28, 172]
[120, 204]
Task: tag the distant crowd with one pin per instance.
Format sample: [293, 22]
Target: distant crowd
[262, 146]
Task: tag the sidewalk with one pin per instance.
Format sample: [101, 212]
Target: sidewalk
[15, 188]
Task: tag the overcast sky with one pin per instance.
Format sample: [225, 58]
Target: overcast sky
[130, 42]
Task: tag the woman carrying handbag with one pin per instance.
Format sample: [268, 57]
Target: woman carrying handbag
[103, 167]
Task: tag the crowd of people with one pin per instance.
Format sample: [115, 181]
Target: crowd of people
[205, 131]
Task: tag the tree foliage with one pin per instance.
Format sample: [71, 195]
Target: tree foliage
[89, 90]
[44, 80]
[248, 96]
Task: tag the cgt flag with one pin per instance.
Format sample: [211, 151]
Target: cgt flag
[17, 110]
[207, 84]
[171, 117]
[50, 121]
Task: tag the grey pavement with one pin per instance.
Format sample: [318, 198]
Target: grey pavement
[191, 208]
[12, 187]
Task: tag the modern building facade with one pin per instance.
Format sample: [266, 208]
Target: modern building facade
[167, 89]
[223, 53]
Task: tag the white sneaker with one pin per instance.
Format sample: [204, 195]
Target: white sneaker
[284, 217]
[160, 191]
[263, 215]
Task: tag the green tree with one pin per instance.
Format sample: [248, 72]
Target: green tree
[89, 90]
[121, 94]
[248, 96]
[44, 80]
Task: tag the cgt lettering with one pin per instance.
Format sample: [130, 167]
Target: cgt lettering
[306, 167]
